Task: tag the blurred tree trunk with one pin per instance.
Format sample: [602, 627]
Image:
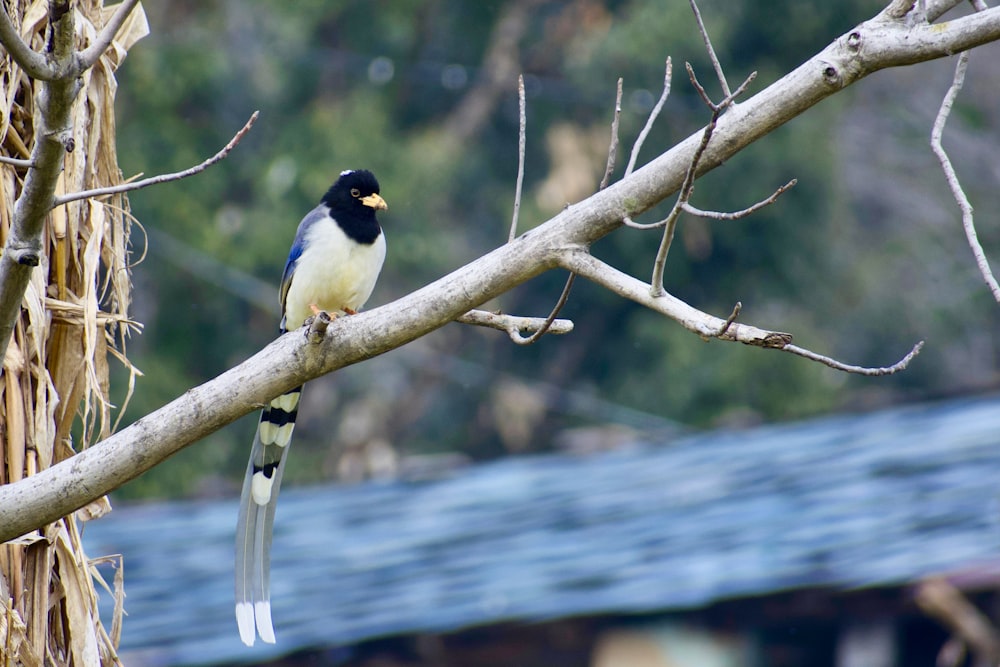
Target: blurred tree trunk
[74, 315]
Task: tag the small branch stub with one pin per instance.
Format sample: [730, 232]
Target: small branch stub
[27, 257]
[515, 325]
[317, 325]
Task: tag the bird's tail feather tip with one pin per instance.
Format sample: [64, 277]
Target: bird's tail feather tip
[262, 611]
[244, 619]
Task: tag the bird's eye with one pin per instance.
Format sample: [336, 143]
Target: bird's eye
[355, 192]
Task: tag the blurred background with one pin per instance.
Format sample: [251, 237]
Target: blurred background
[864, 257]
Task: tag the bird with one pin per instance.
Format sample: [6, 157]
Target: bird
[332, 267]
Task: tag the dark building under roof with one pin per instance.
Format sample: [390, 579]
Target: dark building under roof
[847, 503]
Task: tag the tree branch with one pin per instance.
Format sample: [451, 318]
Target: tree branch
[549, 322]
[692, 319]
[59, 74]
[87, 57]
[16, 162]
[742, 213]
[964, 205]
[709, 326]
[521, 146]
[162, 178]
[613, 145]
[858, 370]
[716, 65]
[34, 64]
[653, 115]
[513, 325]
[54, 138]
[687, 187]
[561, 241]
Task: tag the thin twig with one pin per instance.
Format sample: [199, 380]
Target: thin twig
[728, 99]
[521, 143]
[89, 56]
[162, 178]
[613, 148]
[612, 158]
[968, 217]
[711, 51]
[667, 77]
[547, 324]
[859, 370]
[715, 215]
[687, 187]
[736, 215]
[513, 324]
[16, 162]
[729, 320]
[701, 323]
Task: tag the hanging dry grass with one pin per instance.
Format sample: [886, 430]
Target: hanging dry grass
[74, 315]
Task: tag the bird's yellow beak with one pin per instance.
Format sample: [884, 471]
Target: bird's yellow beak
[375, 201]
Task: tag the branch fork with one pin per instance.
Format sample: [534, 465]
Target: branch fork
[559, 242]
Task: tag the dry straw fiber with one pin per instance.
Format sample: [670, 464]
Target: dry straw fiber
[56, 396]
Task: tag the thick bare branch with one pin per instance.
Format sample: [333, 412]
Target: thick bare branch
[54, 138]
[904, 9]
[34, 64]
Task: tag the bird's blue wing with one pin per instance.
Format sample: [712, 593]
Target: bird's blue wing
[298, 245]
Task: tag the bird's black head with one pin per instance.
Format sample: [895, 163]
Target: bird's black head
[353, 200]
[355, 193]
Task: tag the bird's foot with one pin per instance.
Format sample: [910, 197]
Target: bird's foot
[315, 326]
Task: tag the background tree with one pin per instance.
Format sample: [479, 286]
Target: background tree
[870, 210]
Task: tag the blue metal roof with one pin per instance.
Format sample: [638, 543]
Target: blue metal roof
[877, 499]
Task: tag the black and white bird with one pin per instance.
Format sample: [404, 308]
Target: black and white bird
[333, 265]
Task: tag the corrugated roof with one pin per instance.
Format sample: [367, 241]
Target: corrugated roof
[848, 501]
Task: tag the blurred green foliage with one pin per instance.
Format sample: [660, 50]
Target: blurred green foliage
[850, 272]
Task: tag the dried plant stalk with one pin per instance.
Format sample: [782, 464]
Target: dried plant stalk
[54, 394]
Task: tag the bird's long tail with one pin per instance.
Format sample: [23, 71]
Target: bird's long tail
[257, 503]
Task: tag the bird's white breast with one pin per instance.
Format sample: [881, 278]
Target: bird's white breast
[334, 273]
